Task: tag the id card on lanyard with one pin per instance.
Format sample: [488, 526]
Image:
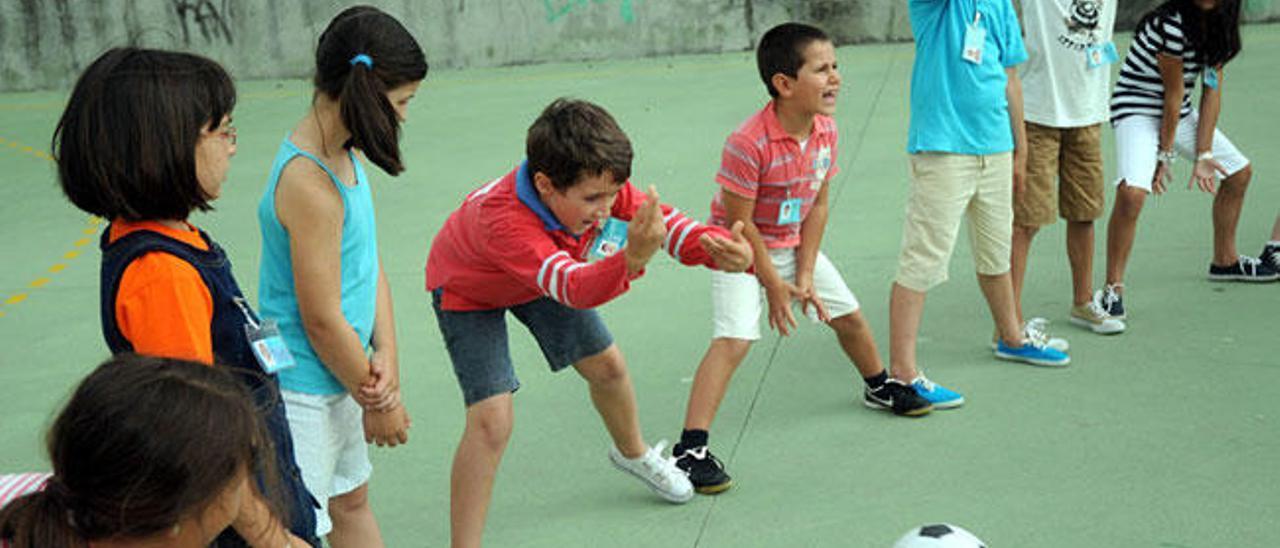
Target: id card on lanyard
[1098, 55]
[975, 39]
[265, 340]
[613, 235]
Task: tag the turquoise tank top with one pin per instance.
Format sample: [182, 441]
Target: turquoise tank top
[277, 297]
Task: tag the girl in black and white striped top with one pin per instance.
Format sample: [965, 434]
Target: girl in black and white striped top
[1176, 44]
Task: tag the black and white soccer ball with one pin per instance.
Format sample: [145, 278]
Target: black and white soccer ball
[938, 535]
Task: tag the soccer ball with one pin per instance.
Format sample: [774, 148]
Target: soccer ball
[938, 535]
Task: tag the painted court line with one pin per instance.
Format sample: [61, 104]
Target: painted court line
[94, 224]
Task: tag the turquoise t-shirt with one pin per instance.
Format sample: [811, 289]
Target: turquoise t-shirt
[957, 106]
[277, 298]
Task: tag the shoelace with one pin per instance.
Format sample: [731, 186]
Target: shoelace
[1035, 332]
[1273, 255]
[1110, 297]
[1097, 310]
[925, 382]
[1249, 265]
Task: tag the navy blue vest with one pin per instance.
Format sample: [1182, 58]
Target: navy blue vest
[230, 349]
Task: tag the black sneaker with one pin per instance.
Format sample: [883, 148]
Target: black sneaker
[1270, 256]
[1111, 301]
[1246, 269]
[705, 471]
[898, 397]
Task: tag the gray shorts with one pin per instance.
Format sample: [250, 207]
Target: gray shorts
[477, 342]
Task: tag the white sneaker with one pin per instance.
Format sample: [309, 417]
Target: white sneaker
[656, 471]
[1091, 315]
[1034, 331]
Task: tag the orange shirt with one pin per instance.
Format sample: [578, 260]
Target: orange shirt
[162, 304]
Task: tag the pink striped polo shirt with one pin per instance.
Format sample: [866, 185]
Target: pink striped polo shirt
[761, 162]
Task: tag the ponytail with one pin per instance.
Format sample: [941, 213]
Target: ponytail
[40, 520]
[370, 118]
[361, 55]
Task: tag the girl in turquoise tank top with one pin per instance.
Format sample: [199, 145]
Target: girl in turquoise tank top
[321, 280]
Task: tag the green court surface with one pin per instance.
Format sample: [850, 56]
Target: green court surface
[1161, 437]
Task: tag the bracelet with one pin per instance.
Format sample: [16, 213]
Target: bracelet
[1206, 155]
[1166, 157]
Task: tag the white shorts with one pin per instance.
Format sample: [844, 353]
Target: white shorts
[737, 299]
[328, 441]
[1138, 140]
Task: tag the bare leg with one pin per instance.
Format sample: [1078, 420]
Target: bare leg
[1226, 216]
[615, 399]
[1021, 247]
[998, 290]
[1121, 230]
[906, 307]
[712, 381]
[475, 464]
[1080, 254]
[854, 334]
[353, 522]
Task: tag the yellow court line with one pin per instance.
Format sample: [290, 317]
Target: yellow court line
[93, 225]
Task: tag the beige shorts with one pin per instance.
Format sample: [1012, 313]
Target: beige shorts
[1064, 176]
[946, 188]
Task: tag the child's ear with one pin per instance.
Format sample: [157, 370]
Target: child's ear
[543, 184]
[783, 84]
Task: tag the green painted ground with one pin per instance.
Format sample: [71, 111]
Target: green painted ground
[1162, 437]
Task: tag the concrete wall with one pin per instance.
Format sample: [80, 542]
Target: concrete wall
[45, 43]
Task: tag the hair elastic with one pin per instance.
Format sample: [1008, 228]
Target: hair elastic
[362, 59]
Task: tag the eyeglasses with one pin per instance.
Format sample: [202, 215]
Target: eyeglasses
[229, 133]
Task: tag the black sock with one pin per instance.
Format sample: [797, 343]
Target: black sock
[874, 382]
[690, 439]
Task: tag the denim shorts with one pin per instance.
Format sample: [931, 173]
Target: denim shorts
[477, 342]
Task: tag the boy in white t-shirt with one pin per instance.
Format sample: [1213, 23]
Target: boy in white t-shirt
[1065, 95]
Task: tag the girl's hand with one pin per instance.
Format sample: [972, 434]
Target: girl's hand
[1205, 174]
[1161, 177]
[387, 428]
[381, 392]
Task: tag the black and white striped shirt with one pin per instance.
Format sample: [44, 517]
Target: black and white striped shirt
[1139, 90]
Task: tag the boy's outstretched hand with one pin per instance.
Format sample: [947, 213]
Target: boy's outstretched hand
[645, 233]
[731, 254]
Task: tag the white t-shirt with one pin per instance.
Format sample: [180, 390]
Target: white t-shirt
[1058, 87]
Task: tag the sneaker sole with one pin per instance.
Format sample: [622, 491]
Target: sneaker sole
[669, 497]
[912, 413]
[1242, 278]
[948, 404]
[1032, 361]
[713, 489]
[1093, 327]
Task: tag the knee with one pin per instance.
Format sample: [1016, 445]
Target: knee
[490, 427]
[1128, 203]
[351, 503]
[1025, 232]
[851, 323]
[1238, 180]
[604, 369]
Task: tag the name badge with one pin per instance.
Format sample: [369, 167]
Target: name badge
[975, 39]
[1099, 55]
[1211, 78]
[610, 240]
[268, 347]
[265, 341]
[789, 211]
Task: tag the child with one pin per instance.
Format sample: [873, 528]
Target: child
[519, 243]
[321, 277]
[127, 474]
[166, 288]
[967, 149]
[1174, 45]
[1064, 87]
[773, 179]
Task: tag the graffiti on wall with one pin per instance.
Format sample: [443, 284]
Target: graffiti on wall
[557, 9]
[208, 20]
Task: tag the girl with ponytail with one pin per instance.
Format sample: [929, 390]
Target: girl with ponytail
[321, 279]
[125, 475]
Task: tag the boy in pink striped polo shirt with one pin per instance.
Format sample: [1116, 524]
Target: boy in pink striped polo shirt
[773, 177]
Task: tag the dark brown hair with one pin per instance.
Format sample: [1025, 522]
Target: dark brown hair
[573, 138]
[393, 59]
[1214, 35]
[126, 143]
[781, 51]
[142, 444]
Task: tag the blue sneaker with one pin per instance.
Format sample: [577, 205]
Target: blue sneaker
[1034, 353]
[940, 396]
